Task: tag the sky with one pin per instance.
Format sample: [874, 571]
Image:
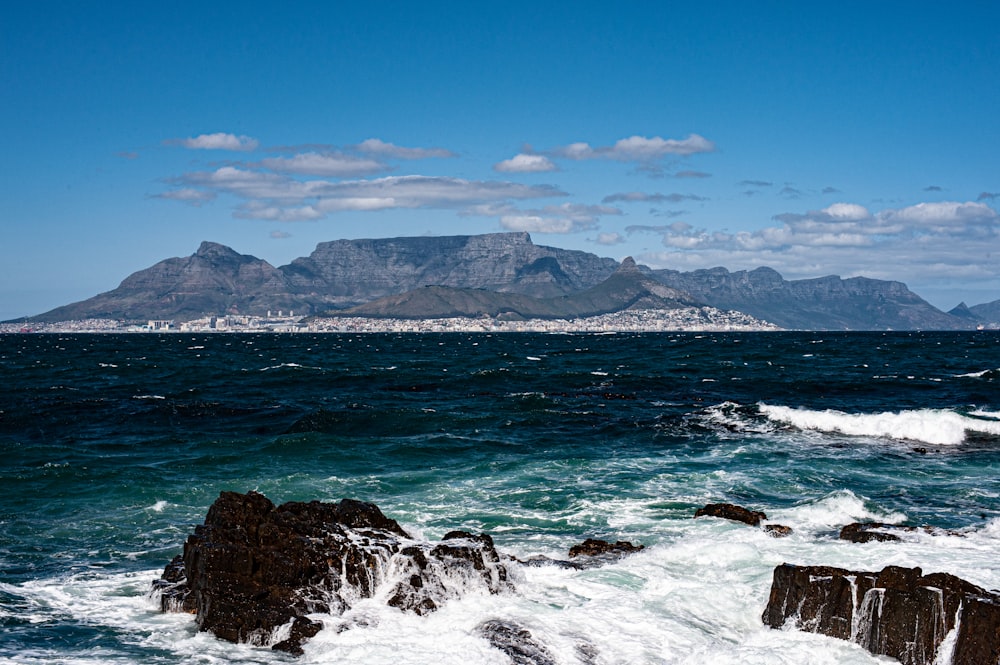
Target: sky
[817, 138]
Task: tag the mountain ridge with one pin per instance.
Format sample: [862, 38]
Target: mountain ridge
[342, 274]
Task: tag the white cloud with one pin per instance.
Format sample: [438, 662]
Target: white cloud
[280, 235]
[924, 244]
[944, 214]
[188, 195]
[848, 211]
[635, 197]
[255, 210]
[331, 164]
[637, 149]
[380, 147]
[219, 141]
[523, 163]
[539, 224]
[277, 196]
[563, 218]
[609, 239]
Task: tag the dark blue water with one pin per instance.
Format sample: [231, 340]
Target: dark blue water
[114, 446]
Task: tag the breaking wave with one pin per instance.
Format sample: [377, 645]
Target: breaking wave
[941, 427]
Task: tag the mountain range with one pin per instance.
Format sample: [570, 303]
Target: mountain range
[502, 274]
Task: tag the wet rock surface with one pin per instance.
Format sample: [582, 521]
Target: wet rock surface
[897, 612]
[253, 572]
[733, 512]
[516, 642]
[604, 548]
[867, 532]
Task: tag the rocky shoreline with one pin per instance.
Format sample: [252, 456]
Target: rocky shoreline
[258, 573]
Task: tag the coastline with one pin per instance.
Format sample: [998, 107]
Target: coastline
[692, 319]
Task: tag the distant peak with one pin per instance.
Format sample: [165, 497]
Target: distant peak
[628, 265]
[208, 248]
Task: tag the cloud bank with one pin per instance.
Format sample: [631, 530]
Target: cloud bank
[920, 243]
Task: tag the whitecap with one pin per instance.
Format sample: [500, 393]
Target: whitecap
[940, 427]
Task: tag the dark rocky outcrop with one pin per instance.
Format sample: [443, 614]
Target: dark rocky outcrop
[898, 612]
[733, 512]
[604, 548]
[736, 513]
[254, 571]
[867, 532]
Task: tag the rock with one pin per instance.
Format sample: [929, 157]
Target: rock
[733, 512]
[516, 642]
[898, 612]
[866, 532]
[253, 568]
[597, 547]
[172, 587]
[777, 530]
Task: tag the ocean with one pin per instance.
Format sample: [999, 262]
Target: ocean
[114, 446]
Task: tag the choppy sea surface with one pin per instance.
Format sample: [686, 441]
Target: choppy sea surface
[112, 447]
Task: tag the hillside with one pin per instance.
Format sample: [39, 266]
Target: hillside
[627, 288]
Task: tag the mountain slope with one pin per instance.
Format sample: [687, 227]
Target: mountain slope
[342, 273]
[626, 288]
[824, 303]
[215, 280]
[987, 313]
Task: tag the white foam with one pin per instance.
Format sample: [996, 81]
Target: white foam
[694, 595]
[934, 426]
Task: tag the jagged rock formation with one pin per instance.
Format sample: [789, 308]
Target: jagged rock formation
[254, 571]
[824, 303]
[898, 612]
[627, 288]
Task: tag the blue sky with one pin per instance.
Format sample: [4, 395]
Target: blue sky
[842, 138]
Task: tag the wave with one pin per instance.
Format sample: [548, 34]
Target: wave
[940, 427]
[985, 374]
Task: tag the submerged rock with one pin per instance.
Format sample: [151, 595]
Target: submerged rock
[897, 612]
[516, 642]
[254, 571]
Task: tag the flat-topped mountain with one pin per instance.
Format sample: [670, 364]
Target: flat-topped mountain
[500, 272]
